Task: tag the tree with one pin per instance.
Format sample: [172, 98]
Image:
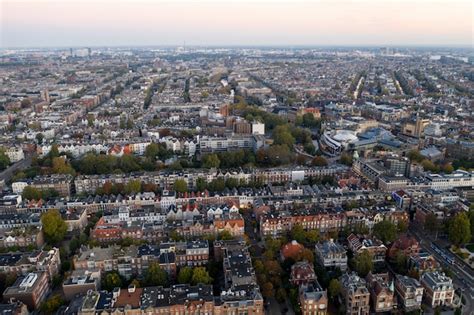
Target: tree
[39, 138]
[471, 220]
[4, 160]
[346, 159]
[51, 305]
[298, 233]
[185, 275]
[60, 166]
[401, 263]
[312, 236]
[386, 231]
[31, 193]
[319, 161]
[429, 166]
[133, 187]
[54, 227]
[152, 151]
[267, 290]
[283, 136]
[460, 229]
[201, 184]
[431, 223]
[225, 235]
[447, 168]
[211, 161]
[415, 155]
[200, 275]
[155, 275]
[307, 255]
[281, 295]
[111, 280]
[180, 185]
[364, 263]
[402, 226]
[334, 289]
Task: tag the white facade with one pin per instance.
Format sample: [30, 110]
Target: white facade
[18, 187]
[15, 154]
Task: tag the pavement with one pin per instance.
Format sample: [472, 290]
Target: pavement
[463, 275]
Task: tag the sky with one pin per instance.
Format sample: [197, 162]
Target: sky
[91, 23]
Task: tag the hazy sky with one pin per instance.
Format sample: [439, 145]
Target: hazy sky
[40, 23]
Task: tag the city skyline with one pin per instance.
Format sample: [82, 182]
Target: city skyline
[236, 23]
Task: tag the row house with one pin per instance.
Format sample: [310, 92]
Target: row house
[133, 260]
[39, 260]
[61, 183]
[278, 223]
[22, 237]
[177, 299]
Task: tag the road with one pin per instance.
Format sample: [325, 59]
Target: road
[7, 174]
[463, 276]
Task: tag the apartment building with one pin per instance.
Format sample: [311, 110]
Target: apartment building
[381, 292]
[355, 294]
[331, 255]
[359, 244]
[409, 292]
[22, 263]
[438, 287]
[313, 299]
[31, 289]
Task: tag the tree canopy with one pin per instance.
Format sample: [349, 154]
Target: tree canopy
[111, 280]
[460, 229]
[155, 275]
[200, 275]
[364, 263]
[386, 231]
[54, 227]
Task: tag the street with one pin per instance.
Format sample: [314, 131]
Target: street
[7, 174]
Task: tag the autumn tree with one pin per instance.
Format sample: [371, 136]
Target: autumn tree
[61, 166]
[4, 160]
[111, 280]
[31, 193]
[211, 161]
[155, 275]
[386, 231]
[180, 185]
[185, 275]
[460, 229]
[54, 227]
[431, 223]
[334, 289]
[200, 275]
[52, 304]
[319, 161]
[133, 187]
[364, 263]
